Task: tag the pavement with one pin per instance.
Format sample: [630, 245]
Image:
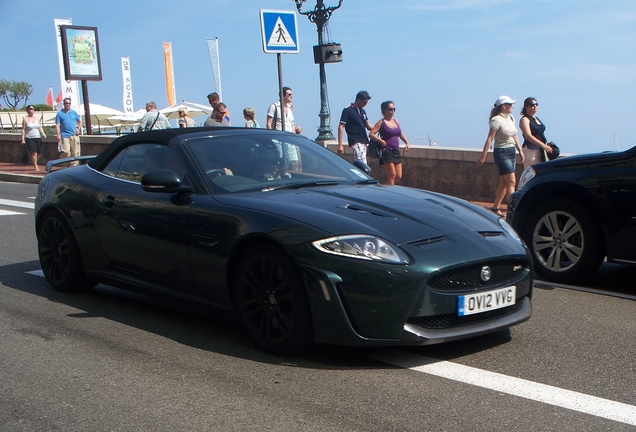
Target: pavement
[19, 173]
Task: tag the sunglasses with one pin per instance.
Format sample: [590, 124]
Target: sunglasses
[534, 104]
[390, 109]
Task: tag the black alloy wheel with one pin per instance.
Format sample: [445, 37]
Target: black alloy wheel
[565, 242]
[60, 258]
[271, 302]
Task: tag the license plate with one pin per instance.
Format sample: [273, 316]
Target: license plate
[485, 301]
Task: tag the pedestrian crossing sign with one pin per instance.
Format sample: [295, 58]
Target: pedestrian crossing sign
[279, 31]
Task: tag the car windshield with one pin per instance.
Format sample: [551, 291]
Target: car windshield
[248, 162]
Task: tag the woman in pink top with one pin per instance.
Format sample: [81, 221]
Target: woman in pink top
[389, 138]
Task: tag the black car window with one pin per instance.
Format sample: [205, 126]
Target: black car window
[136, 160]
[234, 163]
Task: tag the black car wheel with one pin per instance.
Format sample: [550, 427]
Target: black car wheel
[272, 303]
[565, 243]
[60, 258]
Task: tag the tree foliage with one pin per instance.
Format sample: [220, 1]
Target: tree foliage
[13, 92]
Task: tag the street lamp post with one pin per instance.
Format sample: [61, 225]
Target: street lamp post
[319, 16]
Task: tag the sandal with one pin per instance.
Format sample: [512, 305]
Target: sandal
[496, 211]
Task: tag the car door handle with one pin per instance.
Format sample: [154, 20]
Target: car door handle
[109, 201]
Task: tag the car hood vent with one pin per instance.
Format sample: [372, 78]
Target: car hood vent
[421, 243]
[487, 234]
[366, 210]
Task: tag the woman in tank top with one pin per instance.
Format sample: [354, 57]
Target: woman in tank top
[533, 131]
[390, 134]
[32, 134]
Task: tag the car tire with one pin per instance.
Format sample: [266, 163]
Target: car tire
[271, 302]
[59, 254]
[565, 241]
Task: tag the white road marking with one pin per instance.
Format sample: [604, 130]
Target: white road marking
[568, 399]
[9, 213]
[13, 203]
[39, 273]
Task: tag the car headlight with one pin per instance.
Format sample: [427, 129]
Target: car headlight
[527, 175]
[507, 228]
[364, 247]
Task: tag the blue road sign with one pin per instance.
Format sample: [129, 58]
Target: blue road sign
[279, 31]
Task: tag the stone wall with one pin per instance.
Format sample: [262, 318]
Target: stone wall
[447, 170]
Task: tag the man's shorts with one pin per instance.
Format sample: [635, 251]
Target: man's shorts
[71, 146]
[360, 151]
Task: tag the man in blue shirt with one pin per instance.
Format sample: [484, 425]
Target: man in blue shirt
[68, 125]
[355, 122]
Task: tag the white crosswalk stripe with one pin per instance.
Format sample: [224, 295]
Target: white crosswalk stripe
[9, 213]
[12, 203]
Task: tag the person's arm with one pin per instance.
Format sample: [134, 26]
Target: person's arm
[271, 112]
[23, 129]
[491, 136]
[523, 156]
[405, 141]
[368, 125]
[341, 127]
[78, 131]
[41, 132]
[373, 134]
[57, 131]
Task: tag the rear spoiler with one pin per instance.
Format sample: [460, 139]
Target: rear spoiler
[50, 164]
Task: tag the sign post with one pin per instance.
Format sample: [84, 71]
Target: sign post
[80, 50]
[280, 36]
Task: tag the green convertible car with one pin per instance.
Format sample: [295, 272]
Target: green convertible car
[299, 245]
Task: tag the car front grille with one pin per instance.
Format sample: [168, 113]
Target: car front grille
[505, 272]
[453, 320]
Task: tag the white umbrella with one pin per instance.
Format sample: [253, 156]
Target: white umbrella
[101, 114]
[194, 110]
[128, 118]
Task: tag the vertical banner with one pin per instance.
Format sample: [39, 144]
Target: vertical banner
[167, 59]
[213, 47]
[70, 89]
[128, 99]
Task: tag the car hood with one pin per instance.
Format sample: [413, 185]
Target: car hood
[398, 213]
[597, 160]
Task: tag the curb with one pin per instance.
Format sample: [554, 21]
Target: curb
[20, 178]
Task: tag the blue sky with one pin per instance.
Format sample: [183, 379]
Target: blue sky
[443, 62]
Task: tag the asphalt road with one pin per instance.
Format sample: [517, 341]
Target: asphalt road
[109, 360]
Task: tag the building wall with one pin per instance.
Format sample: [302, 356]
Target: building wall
[447, 170]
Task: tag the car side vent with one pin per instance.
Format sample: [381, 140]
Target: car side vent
[421, 243]
[487, 234]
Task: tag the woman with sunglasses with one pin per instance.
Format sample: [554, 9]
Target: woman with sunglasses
[503, 132]
[390, 134]
[533, 130]
[32, 134]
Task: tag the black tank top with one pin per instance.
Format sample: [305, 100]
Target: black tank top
[538, 131]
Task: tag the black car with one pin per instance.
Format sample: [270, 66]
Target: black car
[321, 253]
[575, 211]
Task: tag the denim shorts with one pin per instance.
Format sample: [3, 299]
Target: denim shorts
[505, 159]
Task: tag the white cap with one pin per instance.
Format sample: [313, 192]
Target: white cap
[504, 99]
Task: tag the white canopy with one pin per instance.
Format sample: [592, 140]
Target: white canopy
[100, 114]
[194, 110]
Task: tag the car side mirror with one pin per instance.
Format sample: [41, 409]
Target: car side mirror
[362, 167]
[163, 180]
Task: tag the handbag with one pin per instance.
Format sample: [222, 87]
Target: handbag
[375, 149]
[555, 152]
[25, 155]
